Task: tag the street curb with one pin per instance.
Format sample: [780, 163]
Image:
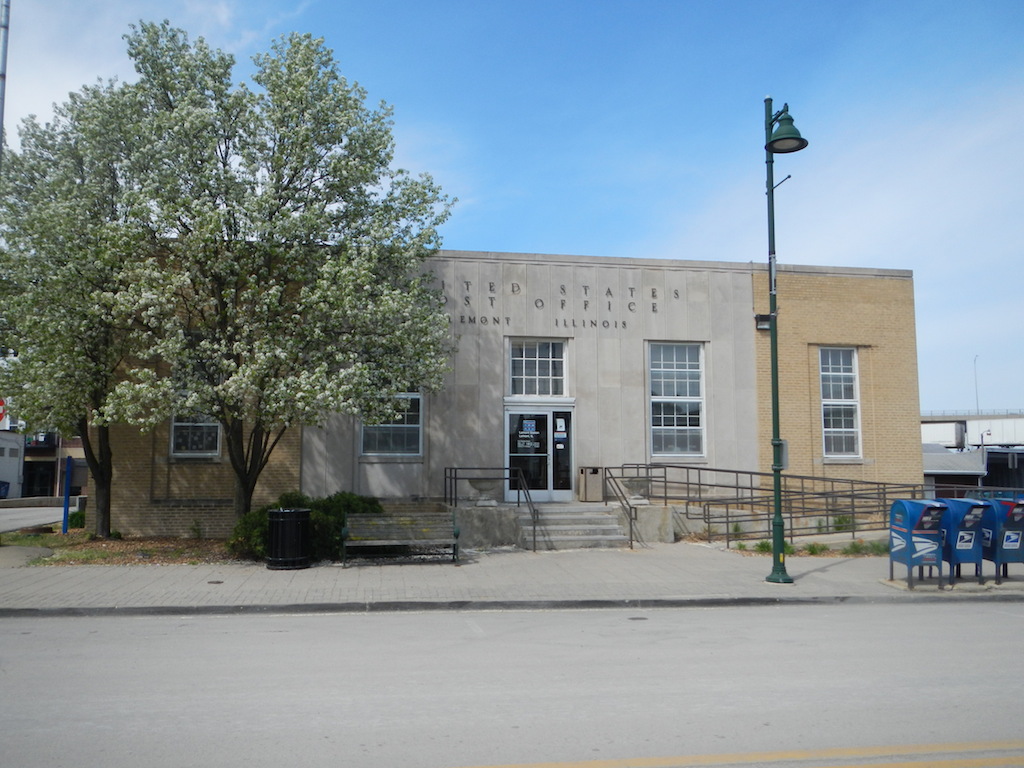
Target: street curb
[398, 606]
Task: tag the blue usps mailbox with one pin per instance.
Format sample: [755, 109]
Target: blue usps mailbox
[915, 536]
[961, 534]
[1002, 527]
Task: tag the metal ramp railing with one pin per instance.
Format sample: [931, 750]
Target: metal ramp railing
[735, 504]
[738, 504]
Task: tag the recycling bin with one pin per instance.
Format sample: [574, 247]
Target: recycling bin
[1002, 527]
[915, 536]
[591, 486]
[289, 539]
[961, 534]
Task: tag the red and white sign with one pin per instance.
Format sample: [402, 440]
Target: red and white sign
[3, 408]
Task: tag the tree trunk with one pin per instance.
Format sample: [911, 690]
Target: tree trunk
[243, 496]
[101, 466]
[249, 454]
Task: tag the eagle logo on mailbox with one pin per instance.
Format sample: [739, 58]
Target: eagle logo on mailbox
[924, 546]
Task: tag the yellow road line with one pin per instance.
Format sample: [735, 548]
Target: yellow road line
[971, 762]
[847, 753]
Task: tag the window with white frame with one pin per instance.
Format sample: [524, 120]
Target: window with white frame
[402, 436]
[195, 435]
[840, 402]
[537, 368]
[677, 399]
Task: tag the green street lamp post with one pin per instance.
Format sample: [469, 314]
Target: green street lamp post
[784, 138]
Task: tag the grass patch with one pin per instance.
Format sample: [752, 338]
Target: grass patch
[49, 540]
[765, 547]
[816, 548]
[867, 548]
[72, 556]
[857, 548]
[81, 548]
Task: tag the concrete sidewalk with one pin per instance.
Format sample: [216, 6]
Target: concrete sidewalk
[661, 575]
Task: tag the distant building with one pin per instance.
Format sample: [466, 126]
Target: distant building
[566, 363]
[12, 446]
[984, 449]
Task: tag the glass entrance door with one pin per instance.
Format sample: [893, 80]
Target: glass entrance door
[540, 445]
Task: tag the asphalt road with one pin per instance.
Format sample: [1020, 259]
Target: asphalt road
[838, 685]
[16, 518]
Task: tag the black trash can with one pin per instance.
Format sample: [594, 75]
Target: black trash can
[288, 543]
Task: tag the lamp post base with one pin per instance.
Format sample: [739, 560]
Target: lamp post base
[778, 574]
[779, 578]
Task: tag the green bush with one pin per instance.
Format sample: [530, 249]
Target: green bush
[765, 547]
[76, 519]
[816, 548]
[842, 523]
[327, 517]
[249, 539]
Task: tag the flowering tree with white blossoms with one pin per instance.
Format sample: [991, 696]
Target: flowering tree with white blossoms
[270, 268]
[67, 230]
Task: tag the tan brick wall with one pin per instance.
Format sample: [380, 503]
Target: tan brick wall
[872, 312]
[154, 494]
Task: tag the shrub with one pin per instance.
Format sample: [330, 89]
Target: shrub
[842, 523]
[249, 538]
[76, 519]
[816, 548]
[327, 518]
[765, 547]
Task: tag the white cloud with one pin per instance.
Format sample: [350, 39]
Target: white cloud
[58, 46]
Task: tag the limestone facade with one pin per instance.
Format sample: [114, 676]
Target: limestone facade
[608, 335]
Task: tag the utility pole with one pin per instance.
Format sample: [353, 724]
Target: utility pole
[5, 25]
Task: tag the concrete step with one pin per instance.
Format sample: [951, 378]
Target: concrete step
[573, 542]
[572, 527]
[593, 529]
[570, 520]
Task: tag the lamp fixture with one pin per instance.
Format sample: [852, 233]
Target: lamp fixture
[786, 137]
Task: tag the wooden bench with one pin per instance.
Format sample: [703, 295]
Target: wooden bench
[425, 532]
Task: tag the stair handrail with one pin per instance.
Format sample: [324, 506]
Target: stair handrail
[513, 475]
[613, 487]
[524, 489]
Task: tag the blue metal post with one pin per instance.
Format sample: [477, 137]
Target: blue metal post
[69, 466]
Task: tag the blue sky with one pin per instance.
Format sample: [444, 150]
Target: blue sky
[635, 128]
